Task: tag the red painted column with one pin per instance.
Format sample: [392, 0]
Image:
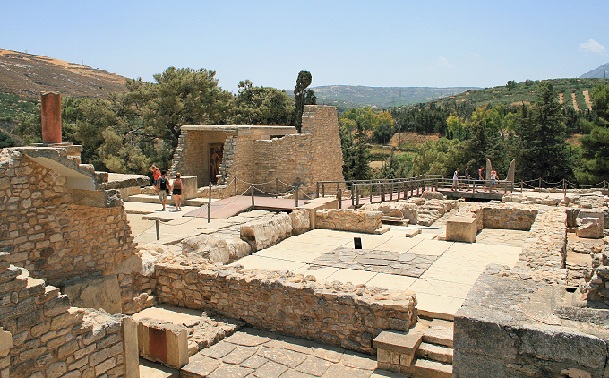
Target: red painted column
[50, 114]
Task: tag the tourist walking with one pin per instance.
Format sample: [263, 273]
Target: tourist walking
[177, 192]
[162, 188]
[455, 180]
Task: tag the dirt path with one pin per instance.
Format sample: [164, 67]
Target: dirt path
[588, 101]
[575, 105]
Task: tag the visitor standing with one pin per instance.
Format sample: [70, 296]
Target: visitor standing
[455, 180]
[156, 173]
[163, 187]
[481, 173]
[494, 178]
[177, 192]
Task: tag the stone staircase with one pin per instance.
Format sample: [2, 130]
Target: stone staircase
[425, 351]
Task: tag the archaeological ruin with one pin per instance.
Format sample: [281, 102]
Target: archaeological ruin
[95, 282]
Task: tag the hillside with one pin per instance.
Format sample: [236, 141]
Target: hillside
[27, 75]
[349, 96]
[600, 72]
[572, 93]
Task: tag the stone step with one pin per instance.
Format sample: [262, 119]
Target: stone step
[396, 349]
[422, 368]
[435, 352]
[439, 332]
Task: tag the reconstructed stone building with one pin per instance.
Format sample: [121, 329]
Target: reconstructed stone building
[263, 154]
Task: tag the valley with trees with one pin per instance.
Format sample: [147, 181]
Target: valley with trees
[554, 129]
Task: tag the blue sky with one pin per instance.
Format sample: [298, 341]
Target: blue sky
[374, 43]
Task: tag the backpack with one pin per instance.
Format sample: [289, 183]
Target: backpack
[163, 184]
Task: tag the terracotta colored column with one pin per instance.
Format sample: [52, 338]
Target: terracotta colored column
[50, 112]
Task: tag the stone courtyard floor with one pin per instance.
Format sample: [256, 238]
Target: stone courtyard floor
[440, 272]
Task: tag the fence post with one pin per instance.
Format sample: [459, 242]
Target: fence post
[235, 185]
[323, 189]
[391, 191]
[296, 195]
[317, 189]
[276, 187]
[371, 187]
[353, 194]
[158, 226]
[209, 204]
[339, 195]
[252, 191]
[382, 187]
[540, 185]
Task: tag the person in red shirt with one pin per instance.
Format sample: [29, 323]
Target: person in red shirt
[156, 173]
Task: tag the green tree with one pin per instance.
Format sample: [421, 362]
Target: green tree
[595, 145]
[544, 151]
[261, 106]
[185, 96]
[302, 97]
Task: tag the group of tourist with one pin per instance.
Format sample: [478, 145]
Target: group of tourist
[494, 177]
[163, 187]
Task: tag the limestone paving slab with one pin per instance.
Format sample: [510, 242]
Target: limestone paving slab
[391, 282]
[261, 262]
[431, 247]
[321, 274]
[356, 277]
[272, 355]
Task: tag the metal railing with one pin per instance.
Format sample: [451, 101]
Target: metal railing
[379, 190]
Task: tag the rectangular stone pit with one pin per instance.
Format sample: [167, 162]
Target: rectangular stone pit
[163, 342]
[461, 229]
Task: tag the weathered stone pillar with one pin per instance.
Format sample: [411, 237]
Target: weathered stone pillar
[50, 114]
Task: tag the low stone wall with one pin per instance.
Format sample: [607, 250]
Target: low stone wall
[349, 220]
[545, 249]
[507, 328]
[293, 305]
[509, 217]
[53, 339]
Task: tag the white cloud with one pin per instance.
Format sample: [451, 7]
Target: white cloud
[443, 62]
[592, 46]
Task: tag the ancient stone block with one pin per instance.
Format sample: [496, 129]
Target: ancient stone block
[590, 223]
[267, 232]
[461, 229]
[216, 249]
[97, 292]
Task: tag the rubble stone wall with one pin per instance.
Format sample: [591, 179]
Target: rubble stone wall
[346, 316]
[50, 235]
[51, 338]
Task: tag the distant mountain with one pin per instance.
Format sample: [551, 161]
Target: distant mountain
[349, 96]
[600, 72]
[27, 75]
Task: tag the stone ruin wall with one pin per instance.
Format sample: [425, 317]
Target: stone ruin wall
[346, 316]
[326, 153]
[312, 156]
[52, 339]
[55, 239]
[511, 322]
